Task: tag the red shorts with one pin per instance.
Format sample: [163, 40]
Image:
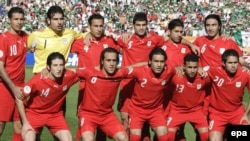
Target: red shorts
[109, 123]
[126, 91]
[179, 116]
[54, 122]
[8, 109]
[219, 119]
[137, 117]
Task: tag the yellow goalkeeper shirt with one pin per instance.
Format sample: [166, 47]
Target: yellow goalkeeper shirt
[47, 41]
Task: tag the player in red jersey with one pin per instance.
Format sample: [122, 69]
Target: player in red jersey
[136, 50]
[45, 99]
[186, 104]
[89, 55]
[229, 82]
[147, 98]
[99, 96]
[12, 70]
[213, 45]
[175, 51]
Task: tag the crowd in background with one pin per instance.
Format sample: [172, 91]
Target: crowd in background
[119, 13]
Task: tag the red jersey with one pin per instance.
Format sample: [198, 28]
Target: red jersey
[149, 90]
[13, 53]
[188, 95]
[175, 53]
[89, 56]
[100, 92]
[137, 49]
[227, 92]
[46, 95]
[211, 50]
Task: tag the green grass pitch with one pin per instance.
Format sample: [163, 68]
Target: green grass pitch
[72, 119]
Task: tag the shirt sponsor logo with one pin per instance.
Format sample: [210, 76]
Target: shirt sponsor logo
[238, 84]
[222, 50]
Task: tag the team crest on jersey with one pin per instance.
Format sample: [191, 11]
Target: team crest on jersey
[183, 50]
[222, 50]
[105, 46]
[64, 40]
[238, 84]
[65, 88]
[149, 43]
[163, 82]
[198, 86]
[1, 53]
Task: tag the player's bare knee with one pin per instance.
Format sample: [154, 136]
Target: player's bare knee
[121, 136]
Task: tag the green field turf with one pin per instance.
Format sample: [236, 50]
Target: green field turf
[72, 120]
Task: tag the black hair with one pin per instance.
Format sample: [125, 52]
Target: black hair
[95, 16]
[53, 56]
[175, 22]
[157, 51]
[140, 16]
[191, 57]
[15, 10]
[229, 52]
[53, 10]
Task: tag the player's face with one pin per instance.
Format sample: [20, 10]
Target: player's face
[16, 22]
[212, 28]
[157, 63]
[96, 28]
[140, 28]
[175, 34]
[56, 22]
[231, 64]
[109, 63]
[190, 69]
[56, 68]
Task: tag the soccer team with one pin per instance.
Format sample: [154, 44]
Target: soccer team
[163, 81]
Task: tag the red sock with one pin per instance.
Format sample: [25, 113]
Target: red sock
[134, 137]
[171, 135]
[16, 137]
[204, 136]
[163, 137]
[78, 135]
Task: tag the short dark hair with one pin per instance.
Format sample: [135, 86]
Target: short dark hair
[229, 52]
[15, 10]
[53, 56]
[108, 50]
[95, 16]
[175, 22]
[191, 57]
[217, 18]
[157, 51]
[54, 9]
[140, 16]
